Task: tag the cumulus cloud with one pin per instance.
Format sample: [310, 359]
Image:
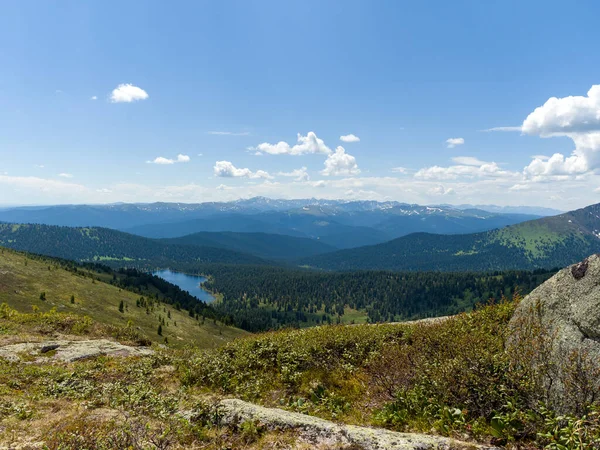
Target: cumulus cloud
[223, 187]
[228, 170]
[298, 174]
[453, 142]
[167, 161]
[340, 163]
[65, 175]
[576, 117]
[93, 97]
[401, 170]
[306, 144]
[127, 93]
[349, 138]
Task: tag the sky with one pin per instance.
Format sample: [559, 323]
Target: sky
[424, 102]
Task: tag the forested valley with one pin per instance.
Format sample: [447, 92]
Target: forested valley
[261, 298]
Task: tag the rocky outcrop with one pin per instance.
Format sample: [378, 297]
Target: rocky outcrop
[68, 351]
[328, 434]
[558, 327]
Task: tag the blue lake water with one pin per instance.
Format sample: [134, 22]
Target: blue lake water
[190, 283]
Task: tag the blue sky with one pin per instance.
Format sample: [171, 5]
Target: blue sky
[225, 79]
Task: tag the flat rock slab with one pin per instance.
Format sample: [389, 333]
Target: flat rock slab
[324, 432]
[68, 351]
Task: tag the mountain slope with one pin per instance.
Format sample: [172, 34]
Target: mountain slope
[111, 247]
[268, 246]
[542, 243]
[24, 278]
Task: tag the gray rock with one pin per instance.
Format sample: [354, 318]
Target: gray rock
[326, 433]
[69, 351]
[564, 314]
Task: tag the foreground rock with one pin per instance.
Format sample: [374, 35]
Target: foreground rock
[558, 329]
[68, 351]
[325, 433]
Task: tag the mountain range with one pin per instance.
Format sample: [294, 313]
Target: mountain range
[335, 235]
[340, 224]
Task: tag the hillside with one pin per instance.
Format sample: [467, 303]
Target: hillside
[263, 245]
[23, 280]
[543, 243]
[111, 247]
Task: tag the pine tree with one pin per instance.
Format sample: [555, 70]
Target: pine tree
[121, 307]
[160, 330]
[72, 299]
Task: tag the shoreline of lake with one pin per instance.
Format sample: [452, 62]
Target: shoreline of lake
[190, 283]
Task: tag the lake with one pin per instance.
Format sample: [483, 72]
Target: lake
[190, 283]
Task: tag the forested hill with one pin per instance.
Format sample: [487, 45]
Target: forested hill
[112, 247]
[264, 245]
[543, 243]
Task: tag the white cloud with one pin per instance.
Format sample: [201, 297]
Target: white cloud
[349, 138]
[340, 163]
[468, 161]
[104, 191]
[65, 175]
[453, 142]
[474, 169]
[229, 133]
[518, 128]
[93, 97]
[227, 169]
[127, 93]
[576, 117]
[166, 161]
[520, 187]
[298, 174]
[223, 187]
[401, 170]
[440, 190]
[306, 144]
[563, 116]
[200, 154]
[39, 166]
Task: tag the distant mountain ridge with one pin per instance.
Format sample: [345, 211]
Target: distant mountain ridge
[339, 223]
[548, 242]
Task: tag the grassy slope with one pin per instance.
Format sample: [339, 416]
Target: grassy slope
[22, 280]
